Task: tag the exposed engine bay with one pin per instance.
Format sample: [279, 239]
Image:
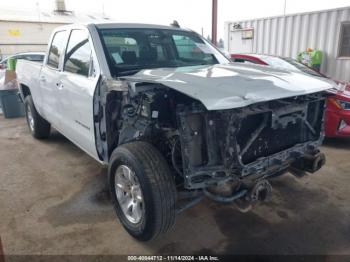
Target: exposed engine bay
[226, 155]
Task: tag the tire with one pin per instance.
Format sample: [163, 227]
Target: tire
[38, 126]
[158, 192]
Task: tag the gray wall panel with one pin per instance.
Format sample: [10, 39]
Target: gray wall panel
[287, 35]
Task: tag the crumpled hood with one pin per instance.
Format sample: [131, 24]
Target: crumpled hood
[233, 85]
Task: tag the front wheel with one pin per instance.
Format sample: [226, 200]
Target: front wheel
[142, 190]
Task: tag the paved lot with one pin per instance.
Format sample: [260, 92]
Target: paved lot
[53, 200]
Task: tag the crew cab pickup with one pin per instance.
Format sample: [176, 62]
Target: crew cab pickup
[172, 118]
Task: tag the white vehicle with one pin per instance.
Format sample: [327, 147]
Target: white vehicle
[172, 118]
[30, 56]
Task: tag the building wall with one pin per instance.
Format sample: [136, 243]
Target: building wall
[290, 34]
[24, 36]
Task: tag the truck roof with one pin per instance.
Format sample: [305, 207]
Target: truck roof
[106, 25]
[135, 25]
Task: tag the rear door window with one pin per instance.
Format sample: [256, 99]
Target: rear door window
[34, 57]
[78, 54]
[56, 49]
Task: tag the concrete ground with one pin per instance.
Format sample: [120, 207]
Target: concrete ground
[54, 200]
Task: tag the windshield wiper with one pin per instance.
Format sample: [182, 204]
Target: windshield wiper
[129, 72]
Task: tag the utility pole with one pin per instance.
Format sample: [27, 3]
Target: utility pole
[103, 10]
[285, 7]
[39, 15]
[38, 10]
[214, 23]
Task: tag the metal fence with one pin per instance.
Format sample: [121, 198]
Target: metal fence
[290, 34]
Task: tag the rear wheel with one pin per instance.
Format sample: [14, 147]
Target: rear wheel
[38, 126]
[142, 190]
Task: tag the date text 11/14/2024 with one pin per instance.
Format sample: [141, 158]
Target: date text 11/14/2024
[173, 258]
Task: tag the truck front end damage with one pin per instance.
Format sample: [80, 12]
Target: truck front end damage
[227, 154]
[231, 153]
[252, 143]
[223, 130]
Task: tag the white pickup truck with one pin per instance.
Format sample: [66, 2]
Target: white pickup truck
[173, 119]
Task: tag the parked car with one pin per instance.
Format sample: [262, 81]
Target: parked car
[337, 116]
[30, 56]
[172, 118]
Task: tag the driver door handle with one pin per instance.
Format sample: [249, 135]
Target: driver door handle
[59, 85]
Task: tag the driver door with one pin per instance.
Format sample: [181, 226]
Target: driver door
[78, 80]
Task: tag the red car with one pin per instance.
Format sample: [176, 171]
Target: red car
[337, 118]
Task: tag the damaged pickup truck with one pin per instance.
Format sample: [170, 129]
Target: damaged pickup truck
[172, 118]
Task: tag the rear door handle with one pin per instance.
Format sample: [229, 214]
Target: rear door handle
[42, 79]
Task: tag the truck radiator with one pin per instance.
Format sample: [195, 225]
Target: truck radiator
[264, 134]
[247, 140]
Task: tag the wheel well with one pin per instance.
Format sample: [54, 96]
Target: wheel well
[25, 90]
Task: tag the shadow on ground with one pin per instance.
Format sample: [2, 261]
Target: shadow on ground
[310, 224]
[91, 204]
[337, 142]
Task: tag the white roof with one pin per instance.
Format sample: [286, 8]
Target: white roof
[35, 15]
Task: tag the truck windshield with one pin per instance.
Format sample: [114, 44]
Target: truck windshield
[131, 50]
